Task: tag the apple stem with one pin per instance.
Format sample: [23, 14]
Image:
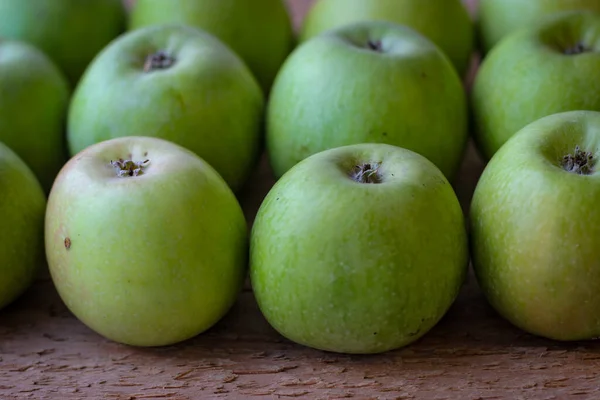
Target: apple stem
[580, 162]
[367, 173]
[127, 168]
[578, 48]
[375, 45]
[158, 60]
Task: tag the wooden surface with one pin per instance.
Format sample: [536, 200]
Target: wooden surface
[471, 354]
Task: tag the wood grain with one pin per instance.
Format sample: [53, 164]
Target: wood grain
[45, 353]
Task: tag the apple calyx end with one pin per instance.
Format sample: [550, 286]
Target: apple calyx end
[580, 162]
[129, 168]
[578, 48]
[375, 45]
[158, 60]
[366, 173]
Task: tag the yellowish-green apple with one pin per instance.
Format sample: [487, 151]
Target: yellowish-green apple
[358, 249]
[547, 68]
[373, 81]
[22, 210]
[445, 22]
[34, 99]
[535, 227]
[177, 83]
[71, 32]
[146, 243]
[259, 31]
[498, 18]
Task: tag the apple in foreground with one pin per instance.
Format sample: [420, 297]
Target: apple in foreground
[498, 18]
[70, 32]
[548, 68]
[445, 22]
[34, 99]
[22, 208]
[176, 83]
[358, 249]
[535, 227]
[371, 81]
[259, 31]
[146, 243]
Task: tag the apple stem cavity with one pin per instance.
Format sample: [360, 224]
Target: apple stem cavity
[127, 168]
[158, 60]
[366, 173]
[375, 45]
[578, 48]
[580, 162]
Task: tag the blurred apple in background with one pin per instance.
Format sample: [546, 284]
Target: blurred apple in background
[34, 98]
[22, 208]
[549, 67]
[177, 83]
[146, 243]
[445, 22]
[71, 32]
[372, 81]
[260, 31]
[498, 18]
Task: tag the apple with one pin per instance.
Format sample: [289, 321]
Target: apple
[259, 31]
[446, 22]
[358, 249]
[71, 32]
[372, 81]
[498, 18]
[146, 243]
[548, 68]
[177, 83]
[22, 208]
[535, 227]
[34, 98]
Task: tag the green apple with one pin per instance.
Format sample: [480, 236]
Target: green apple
[358, 249]
[146, 243]
[71, 32]
[259, 31]
[22, 208]
[547, 68]
[176, 83]
[445, 22]
[535, 227]
[498, 18]
[34, 99]
[372, 81]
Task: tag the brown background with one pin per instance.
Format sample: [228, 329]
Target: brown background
[471, 354]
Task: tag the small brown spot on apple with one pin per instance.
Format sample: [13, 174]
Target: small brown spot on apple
[67, 243]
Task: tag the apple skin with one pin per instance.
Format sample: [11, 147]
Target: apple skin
[498, 18]
[259, 31]
[445, 22]
[33, 108]
[527, 76]
[333, 91]
[361, 268]
[22, 208]
[207, 101]
[535, 229]
[147, 260]
[71, 32]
